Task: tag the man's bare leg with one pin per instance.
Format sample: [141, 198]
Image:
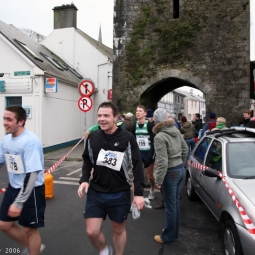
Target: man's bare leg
[96, 236]
[150, 176]
[16, 232]
[119, 237]
[34, 241]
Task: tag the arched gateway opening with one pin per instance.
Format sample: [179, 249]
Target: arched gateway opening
[167, 81]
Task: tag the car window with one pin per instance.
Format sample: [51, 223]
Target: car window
[214, 156]
[240, 159]
[199, 154]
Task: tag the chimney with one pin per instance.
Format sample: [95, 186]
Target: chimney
[65, 16]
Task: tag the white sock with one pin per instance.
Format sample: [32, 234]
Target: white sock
[105, 251]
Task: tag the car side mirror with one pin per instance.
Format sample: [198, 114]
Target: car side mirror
[211, 173]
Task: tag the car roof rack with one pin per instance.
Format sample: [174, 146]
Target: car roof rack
[232, 130]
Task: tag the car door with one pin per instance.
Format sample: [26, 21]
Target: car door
[197, 158]
[211, 185]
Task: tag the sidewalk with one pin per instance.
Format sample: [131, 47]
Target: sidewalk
[75, 155]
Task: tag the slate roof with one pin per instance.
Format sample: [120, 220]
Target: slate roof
[10, 32]
[190, 96]
[101, 47]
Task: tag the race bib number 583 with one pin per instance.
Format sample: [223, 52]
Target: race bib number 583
[111, 159]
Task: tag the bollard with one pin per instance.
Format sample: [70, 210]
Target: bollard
[48, 183]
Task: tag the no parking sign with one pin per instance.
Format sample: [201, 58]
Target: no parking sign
[85, 103]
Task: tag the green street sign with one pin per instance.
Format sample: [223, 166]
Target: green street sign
[21, 73]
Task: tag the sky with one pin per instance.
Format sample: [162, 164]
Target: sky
[38, 16]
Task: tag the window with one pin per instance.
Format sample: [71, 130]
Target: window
[61, 65]
[201, 149]
[214, 156]
[10, 101]
[52, 61]
[176, 9]
[75, 72]
[240, 159]
[23, 45]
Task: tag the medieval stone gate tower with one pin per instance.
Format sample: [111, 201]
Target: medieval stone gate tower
[160, 45]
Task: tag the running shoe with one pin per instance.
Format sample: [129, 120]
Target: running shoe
[151, 195]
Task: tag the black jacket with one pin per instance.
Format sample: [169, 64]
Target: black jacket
[104, 178]
[198, 125]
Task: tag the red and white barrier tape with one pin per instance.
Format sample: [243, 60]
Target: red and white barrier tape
[198, 166]
[246, 220]
[62, 159]
[2, 190]
[55, 165]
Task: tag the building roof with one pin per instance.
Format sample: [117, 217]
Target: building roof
[188, 95]
[101, 47]
[33, 50]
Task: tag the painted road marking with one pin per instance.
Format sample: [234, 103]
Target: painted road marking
[70, 178]
[74, 172]
[66, 183]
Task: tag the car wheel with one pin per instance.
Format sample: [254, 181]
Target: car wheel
[190, 189]
[231, 240]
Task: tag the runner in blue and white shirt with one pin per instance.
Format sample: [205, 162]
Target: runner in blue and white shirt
[24, 200]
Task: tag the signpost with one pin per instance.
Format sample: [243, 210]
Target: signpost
[86, 89]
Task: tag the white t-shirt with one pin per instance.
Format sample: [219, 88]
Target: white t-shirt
[22, 154]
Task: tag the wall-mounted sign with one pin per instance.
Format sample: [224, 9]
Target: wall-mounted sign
[27, 108]
[2, 86]
[21, 73]
[110, 94]
[51, 85]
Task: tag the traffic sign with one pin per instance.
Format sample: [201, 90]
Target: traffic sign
[86, 87]
[85, 103]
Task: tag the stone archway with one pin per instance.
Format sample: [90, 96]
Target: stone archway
[227, 103]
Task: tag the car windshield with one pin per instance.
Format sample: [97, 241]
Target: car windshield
[241, 160]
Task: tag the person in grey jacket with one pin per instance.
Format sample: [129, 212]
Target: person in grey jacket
[171, 152]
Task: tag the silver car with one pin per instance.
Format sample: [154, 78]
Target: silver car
[232, 153]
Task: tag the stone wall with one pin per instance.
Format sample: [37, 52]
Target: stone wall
[207, 48]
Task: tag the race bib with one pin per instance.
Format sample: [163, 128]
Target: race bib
[14, 164]
[111, 159]
[143, 143]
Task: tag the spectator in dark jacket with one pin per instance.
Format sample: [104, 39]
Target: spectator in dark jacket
[246, 118]
[197, 123]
